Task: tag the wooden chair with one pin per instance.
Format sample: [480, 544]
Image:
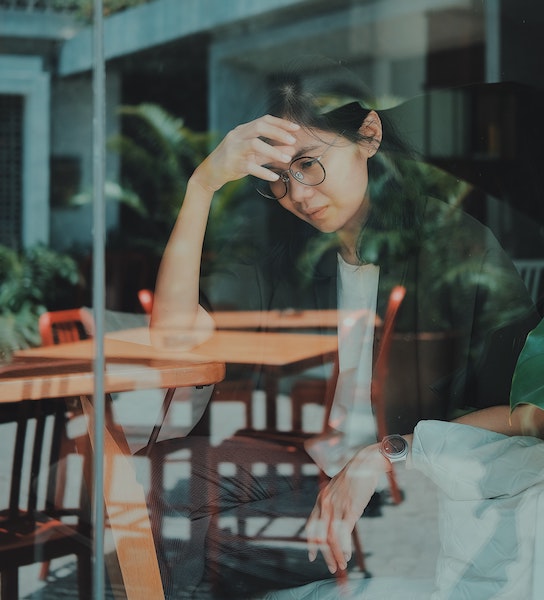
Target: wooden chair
[34, 525]
[321, 393]
[273, 449]
[274, 452]
[64, 326]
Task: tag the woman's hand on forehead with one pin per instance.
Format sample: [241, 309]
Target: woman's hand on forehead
[277, 136]
[246, 148]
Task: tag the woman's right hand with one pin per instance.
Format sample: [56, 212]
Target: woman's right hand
[244, 151]
[340, 504]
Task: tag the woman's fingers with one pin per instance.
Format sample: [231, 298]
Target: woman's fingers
[340, 503]
[316, 531]
[275, 128]
[343, 530]
[272, 130]
[247, 149]
[262, 153]
[332, 537]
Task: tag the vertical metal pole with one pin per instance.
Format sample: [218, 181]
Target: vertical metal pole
[99, 105]
[493, 58]
[492, 41]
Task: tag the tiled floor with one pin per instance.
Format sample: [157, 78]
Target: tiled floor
[402, 541]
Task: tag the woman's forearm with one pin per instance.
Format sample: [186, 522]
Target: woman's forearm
[524, 420]
[242, 152]
[175, 305]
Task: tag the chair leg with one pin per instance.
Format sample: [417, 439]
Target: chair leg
[396, 494]
[359, 552]
[84, 576]
[9, 587]
[44, 570]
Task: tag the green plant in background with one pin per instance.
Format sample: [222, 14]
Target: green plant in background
[528, 379]
[31, 282]
[431, 182]
[83, 9]
[159, 154]
[442, 240]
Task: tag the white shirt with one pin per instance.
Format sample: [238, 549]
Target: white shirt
[351, 413]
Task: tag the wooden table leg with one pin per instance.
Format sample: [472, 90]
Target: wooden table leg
[138, 576]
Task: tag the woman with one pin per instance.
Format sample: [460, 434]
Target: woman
[353, 190]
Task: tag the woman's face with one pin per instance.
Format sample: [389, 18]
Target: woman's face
[340, 203]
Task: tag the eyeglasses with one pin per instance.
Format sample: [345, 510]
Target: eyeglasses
[307, 170]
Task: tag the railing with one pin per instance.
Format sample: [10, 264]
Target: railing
[80, 7]
[43, 5]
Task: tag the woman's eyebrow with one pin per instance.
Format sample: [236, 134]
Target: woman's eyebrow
[304, 151]
[298, 154]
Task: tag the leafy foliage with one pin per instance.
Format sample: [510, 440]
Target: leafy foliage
[31, 282]
[528, 381]
[159, 154]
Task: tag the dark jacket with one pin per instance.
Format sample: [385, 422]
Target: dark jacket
[460, 328]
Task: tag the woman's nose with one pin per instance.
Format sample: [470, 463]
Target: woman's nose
[298, 192]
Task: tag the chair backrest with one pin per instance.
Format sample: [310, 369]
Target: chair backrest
[44, 508]
[63, 326]
[531, 273]
[36, 442]
[381, 364]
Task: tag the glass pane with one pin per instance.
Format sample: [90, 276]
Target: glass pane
[392, 298]
[46, 156]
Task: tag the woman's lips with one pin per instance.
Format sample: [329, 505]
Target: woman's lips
[316, 214]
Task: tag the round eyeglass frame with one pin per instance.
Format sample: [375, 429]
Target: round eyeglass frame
[284, 175]
[285, 179]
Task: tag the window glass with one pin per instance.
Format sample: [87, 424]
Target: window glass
[292, 230]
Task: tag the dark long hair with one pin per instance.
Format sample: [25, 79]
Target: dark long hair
[339, 103]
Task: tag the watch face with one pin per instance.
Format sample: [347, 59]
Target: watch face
[394, 447]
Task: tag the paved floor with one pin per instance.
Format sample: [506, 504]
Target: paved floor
[403, 541]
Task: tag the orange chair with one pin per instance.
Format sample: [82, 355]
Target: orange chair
[63, 326]
[381, 368]
[321, 392]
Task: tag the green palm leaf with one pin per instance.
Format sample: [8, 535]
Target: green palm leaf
[528, 380]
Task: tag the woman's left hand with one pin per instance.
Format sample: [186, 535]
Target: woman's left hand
[340, 504]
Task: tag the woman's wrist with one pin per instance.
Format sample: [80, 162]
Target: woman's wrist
[203, 179]
[369, 459]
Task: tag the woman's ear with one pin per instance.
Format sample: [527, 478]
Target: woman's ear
[371, 129]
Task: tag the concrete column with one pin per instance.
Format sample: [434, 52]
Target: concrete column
[24, 76]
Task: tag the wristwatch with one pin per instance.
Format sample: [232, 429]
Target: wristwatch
[394, 447]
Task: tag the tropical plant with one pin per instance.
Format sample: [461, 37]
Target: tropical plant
[159, 154]
[31, 282]
[528, 382]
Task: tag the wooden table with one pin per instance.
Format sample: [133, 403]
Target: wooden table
[278, 354]
[276, 319]
[279, 320]
[66, 370]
